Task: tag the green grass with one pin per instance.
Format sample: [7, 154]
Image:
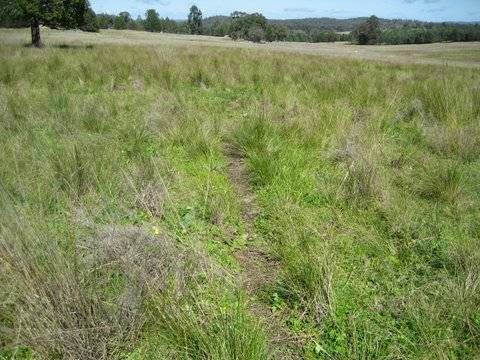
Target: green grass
[119, 223]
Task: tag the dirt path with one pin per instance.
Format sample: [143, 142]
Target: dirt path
[260, 269]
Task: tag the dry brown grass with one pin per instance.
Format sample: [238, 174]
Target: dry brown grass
[453, 54]
[360, 159]
[463, 143]
[90, 303]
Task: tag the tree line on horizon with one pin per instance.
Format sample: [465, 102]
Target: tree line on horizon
[239, 25]
[371, 33]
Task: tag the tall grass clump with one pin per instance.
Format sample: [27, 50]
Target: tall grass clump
[442, 181]
[458, 142]
[255, 140]
[359, 155]
[198, 326]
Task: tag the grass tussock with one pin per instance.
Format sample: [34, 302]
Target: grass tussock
[190, 328]
[461, 143]
[362, 171]
[440, 182]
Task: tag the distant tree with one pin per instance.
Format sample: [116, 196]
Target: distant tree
[281, 33]
[256, 34]
[275, 32]
[255, 27]
[195, 20]
[133, 25]
[317, 36]
[170, 26]
[219, 28]
[270, 33]
[368, 32]
[430, 34]
[91, 22]
[139, 23]
[297, 36]
[182, 28]
[122, 21]
[54, 13]
[152, 20]
[242, 23]
[105, 21]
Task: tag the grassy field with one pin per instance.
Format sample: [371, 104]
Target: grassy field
[459, 54]
[164, 201]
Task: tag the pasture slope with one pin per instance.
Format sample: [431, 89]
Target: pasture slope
[169, 197]
[459, 54]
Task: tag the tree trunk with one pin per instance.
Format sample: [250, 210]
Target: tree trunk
[36, 39]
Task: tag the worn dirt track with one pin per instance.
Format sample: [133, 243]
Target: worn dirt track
[259, 269]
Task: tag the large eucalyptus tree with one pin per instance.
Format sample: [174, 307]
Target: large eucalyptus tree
[66, 14]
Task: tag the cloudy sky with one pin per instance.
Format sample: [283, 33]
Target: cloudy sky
[431, 10]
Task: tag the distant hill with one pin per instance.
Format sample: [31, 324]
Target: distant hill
[331, 24]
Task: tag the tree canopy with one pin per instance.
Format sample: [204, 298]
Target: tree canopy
[254, 27]
[195, 20]
[368, 32]
[152, 20]
[53, 13]
[65, 14]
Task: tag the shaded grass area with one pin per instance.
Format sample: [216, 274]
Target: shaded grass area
[119, 223]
